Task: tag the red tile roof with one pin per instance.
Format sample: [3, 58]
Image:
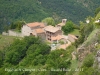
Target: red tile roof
[35, 24]
[57, 37]
[39, 30]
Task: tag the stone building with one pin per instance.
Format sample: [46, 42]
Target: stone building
[35, 29]
[52, 32]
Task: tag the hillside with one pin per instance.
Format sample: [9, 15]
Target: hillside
[32, 56]
[13, 10]
[36, 10]
[74, 10]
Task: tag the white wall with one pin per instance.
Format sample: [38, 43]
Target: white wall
[13, 33]
[26, 30]
[4, 33]
[58, 26]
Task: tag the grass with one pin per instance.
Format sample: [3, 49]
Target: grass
[18, 31]
[98, 16]
[6, 41]
[75, 32]
[92, 37]
[74, 64]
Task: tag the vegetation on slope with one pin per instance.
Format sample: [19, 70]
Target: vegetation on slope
[36, 10]
[69, 27]
[30, 53]
[74, 10]
[31, 56]
[11, 10]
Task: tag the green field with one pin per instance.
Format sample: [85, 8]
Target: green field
[6, 41]
[75, 32]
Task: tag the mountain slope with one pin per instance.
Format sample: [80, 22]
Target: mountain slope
[36, 10]
[74, 10]
[11, 10]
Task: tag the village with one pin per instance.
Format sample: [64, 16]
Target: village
[52, 34]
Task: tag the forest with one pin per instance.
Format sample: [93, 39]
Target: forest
[32, 53]
[36, 10]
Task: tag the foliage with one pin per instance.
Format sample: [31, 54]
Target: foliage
[61, 42]
[36, 10]
[87, 66]
[89, 60]
[69, 26]
[97, 16]
[55, 56]
[1, 58]
[49, 21]
[72, 9]
[14, 10]
[17, 25]
[31, 53]
[85, 30]
[97, 25]
[97, 10]
[92, 38]
[75, 32]
[88, 28]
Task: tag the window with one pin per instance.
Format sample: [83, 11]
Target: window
[48, 38]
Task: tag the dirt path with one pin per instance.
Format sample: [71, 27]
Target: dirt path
[73, 56]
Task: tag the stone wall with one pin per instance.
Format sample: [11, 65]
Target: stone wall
[12, 33]
[84, 51]
[5, 33]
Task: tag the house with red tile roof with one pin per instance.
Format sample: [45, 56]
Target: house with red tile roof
[36, 25]
[52, 33]
[39, 33]
[29, 28]
[34, 29]
[49, 33]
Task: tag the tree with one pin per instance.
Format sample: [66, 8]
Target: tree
[85, 30]
[97, 11]
[69, 26]
[89, 60]
[16, 52]
[1, 58]
[17, 25]
[49, 21]
[87, 66]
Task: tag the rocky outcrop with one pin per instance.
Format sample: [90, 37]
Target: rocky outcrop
[97, 61]
[89, 45]
[83, 51]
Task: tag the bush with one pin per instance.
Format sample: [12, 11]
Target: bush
[69, 26]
